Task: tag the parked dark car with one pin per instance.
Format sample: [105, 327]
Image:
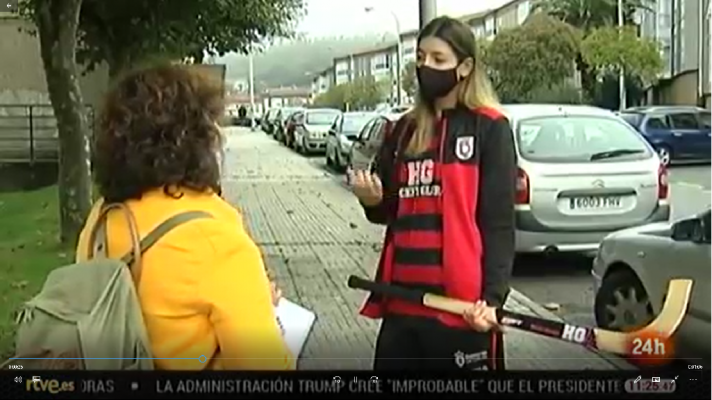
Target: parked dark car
[280, 122]
[678, 133]
[310, 128]
[267, 123]
[342, 135]
[289, 127]
[369, 139]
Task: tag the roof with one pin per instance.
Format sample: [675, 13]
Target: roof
[520, 111]
[647, 109]
[288, 92]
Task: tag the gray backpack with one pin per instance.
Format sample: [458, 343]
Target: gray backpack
[88, 315]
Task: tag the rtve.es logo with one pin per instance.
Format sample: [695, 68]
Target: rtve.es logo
[52, 386]
[420, 178]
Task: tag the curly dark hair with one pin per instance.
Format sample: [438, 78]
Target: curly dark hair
[158, 129]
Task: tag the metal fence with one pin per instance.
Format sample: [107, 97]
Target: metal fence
[28, 133]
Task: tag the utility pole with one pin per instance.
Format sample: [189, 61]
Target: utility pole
[621, 73]
[709, 50]
[428, 11]
[252, 88]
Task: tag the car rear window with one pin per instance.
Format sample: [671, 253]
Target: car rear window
[579, 139]
[321, 117]
[632, 118]
[354, 123]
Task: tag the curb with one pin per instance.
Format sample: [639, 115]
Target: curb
[542, 312]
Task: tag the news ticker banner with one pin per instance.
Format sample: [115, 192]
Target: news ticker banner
[671, 384]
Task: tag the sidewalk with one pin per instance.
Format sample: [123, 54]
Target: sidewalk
[313, 235]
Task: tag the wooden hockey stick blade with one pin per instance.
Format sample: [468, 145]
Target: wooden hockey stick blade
[664, 325]
[667, 322]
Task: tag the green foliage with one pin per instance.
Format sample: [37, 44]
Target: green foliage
[563, 93]
[362, 93]
[590, 14]
[122, 33]
[335, 97]
[538, 54]
[610, 49]
[409, 83]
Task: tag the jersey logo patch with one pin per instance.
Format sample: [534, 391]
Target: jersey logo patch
[465, 148]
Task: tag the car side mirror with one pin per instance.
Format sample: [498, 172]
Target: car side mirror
[691, 230]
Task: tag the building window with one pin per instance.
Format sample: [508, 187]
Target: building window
[489, 26]
[522, 12]
[380, 62]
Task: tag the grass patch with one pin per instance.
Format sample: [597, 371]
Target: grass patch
[29, 250]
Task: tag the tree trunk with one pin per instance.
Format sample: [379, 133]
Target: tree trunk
[588, 79]
[57, 22]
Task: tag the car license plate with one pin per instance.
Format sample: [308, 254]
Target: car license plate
[594, 202]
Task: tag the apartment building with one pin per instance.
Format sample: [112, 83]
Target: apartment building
[381, 62]
[486, 24]
[683, 31]
[323, 81]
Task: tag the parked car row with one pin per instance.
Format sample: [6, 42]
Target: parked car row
[588, 181]
[347, 139]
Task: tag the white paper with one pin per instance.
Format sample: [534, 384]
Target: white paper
[296, 323]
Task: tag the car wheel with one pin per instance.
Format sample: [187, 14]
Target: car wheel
[665, 154]
[622, 304]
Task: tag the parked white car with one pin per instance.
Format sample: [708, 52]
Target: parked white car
[631, 274]
[582, 173]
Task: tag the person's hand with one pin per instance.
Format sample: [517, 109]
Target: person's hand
[481, 317]
[367, 187]
[276, 293]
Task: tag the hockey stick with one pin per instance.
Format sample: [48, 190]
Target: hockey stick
[664, 325]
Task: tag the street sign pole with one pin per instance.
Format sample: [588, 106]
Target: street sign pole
[428, 11]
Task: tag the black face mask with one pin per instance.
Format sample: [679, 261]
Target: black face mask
[435, 83]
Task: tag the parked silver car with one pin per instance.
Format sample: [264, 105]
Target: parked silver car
[342, 136]
[311, 127]
[631, 274]
[582, 173]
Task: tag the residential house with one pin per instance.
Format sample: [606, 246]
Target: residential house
[682, 29]
[234, 101]
[285, 96]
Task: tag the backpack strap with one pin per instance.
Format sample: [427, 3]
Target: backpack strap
[98, 243]
[161, 230]
[133, 257]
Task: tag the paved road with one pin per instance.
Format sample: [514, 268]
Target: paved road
[565, 281]
[313, 236]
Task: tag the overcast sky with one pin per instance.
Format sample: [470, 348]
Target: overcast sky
[333, 17]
